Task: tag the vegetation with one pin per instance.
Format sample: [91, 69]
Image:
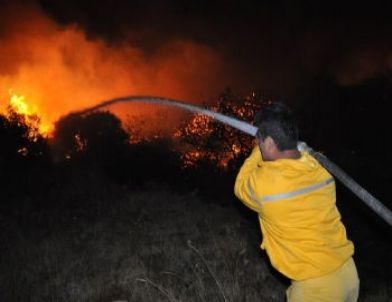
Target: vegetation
[147, 245]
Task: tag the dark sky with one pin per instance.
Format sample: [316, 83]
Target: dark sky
[274, 44]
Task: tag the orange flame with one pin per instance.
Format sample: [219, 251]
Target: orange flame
[30, 113]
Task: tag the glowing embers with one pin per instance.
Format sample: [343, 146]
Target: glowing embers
[80, 143]
[202, 139]
[24, 151]
[199, 124]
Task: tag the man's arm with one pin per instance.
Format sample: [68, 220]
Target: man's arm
[246, 179]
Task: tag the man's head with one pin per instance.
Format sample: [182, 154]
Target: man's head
[277, 133]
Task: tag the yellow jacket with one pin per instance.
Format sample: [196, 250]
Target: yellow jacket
[295, 198]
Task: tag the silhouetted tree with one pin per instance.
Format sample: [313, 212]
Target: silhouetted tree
[96, 140]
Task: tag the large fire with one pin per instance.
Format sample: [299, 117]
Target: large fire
[59, 69]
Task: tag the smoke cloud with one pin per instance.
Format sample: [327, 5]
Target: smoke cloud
[364, 64]
[66, 55]
[59, 69]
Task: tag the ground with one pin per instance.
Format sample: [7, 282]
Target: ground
[156, 244]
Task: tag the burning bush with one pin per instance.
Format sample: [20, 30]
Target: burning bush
[204, 139]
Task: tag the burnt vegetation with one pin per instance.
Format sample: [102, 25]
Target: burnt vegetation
[89, 215]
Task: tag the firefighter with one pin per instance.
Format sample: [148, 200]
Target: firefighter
[295, 199]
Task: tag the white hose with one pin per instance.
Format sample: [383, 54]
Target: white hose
[376, 205]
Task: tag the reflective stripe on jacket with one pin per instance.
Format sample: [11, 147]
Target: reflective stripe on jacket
[295, 198]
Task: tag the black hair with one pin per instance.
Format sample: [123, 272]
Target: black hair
[276, 121]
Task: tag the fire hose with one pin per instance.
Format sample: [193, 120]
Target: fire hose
[376, 205]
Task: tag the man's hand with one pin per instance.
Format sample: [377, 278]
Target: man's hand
[302, 146]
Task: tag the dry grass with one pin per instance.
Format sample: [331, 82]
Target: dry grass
[140, 249]
[154, 245]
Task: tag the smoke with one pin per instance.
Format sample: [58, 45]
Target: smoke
[59, 69]
[87, 52]
[364, 64]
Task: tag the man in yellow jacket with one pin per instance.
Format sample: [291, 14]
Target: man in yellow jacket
[295, 199]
